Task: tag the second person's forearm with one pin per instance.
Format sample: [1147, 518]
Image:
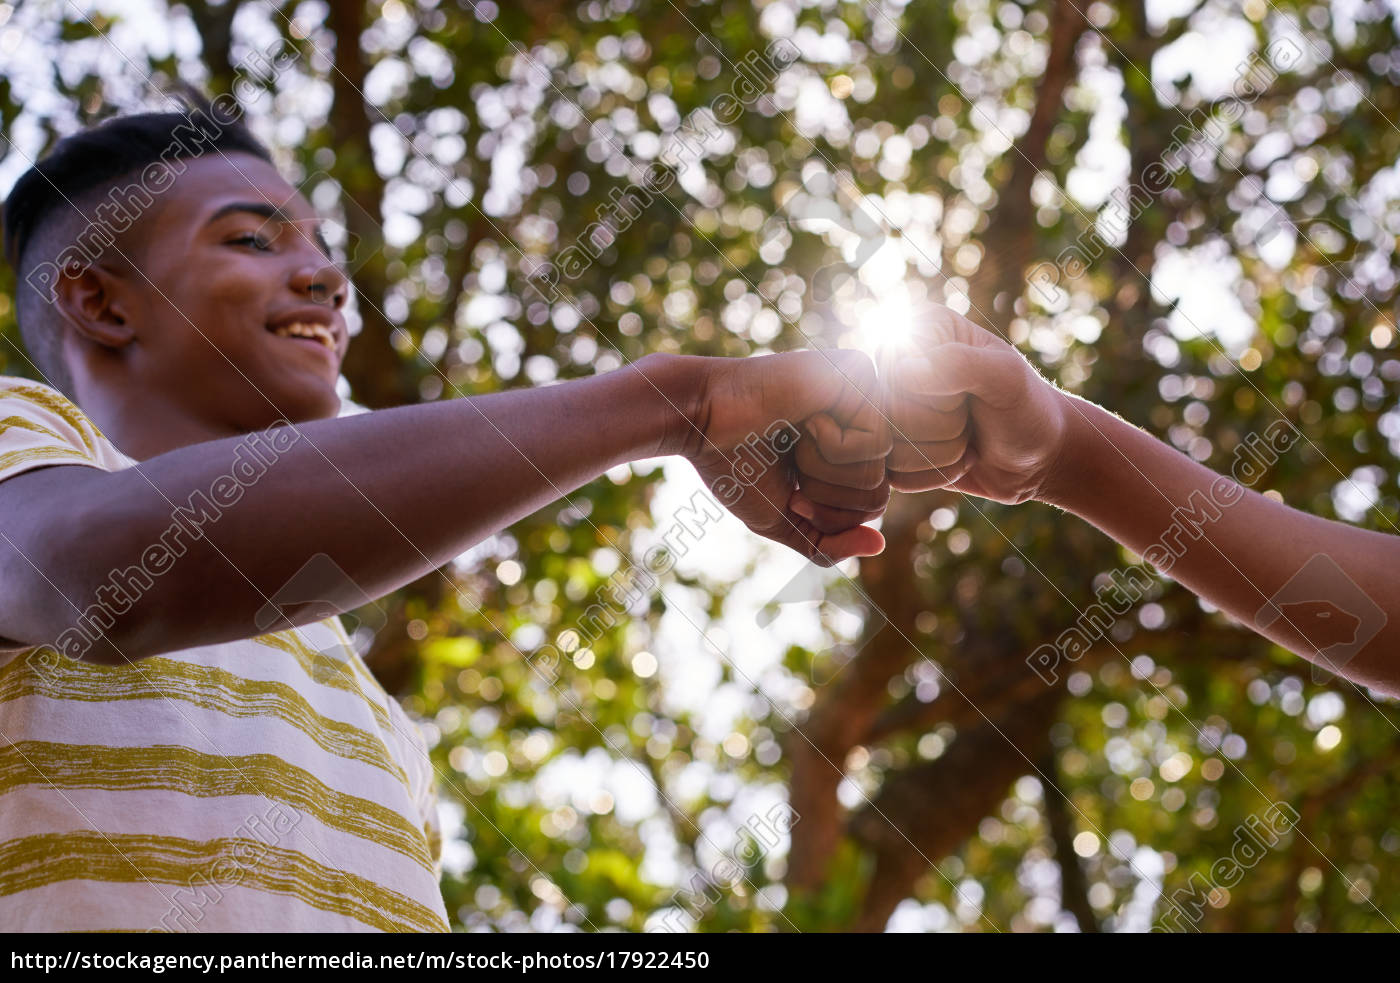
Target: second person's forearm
[1227, 543]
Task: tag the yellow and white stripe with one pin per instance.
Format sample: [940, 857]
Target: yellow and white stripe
[265, 785]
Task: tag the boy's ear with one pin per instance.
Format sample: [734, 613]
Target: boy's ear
[95, 301]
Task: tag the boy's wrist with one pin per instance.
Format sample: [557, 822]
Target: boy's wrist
[675, 386]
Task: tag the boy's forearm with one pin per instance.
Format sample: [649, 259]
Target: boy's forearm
[387, 496]
[1231, 545]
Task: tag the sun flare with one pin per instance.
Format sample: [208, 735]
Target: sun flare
[886, 323]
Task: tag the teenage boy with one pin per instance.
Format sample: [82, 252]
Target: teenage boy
[188, 762]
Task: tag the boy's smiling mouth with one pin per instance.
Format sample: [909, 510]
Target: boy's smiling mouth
[310, 325]
[307, 331]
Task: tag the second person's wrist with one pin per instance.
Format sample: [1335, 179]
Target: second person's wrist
[1071, 471]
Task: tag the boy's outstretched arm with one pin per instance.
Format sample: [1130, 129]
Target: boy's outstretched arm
[392, 494]
[1323, 589]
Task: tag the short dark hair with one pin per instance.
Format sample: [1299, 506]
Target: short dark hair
[48, 209]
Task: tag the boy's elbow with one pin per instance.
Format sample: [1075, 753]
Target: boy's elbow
[100, 635]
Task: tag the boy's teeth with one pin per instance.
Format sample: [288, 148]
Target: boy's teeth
[298, 329]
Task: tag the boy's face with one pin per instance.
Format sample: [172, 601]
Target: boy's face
[231, 258]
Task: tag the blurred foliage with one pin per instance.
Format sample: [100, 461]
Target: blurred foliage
[484, 137]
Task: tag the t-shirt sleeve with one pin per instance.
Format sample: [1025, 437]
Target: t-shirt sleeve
[39, 427]
[432, 824]
[427, 797]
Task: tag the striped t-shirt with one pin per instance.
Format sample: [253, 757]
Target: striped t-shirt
[265, 785]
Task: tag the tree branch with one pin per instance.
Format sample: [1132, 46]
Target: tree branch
[925, 812]
[215, 28]
[1074, 887]
[376, 374]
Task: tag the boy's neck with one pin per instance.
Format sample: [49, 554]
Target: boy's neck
[144, 425]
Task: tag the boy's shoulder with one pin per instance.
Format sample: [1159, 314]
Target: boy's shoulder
[19, 391]
[40, 426]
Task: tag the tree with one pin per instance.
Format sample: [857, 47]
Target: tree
[1187, 219]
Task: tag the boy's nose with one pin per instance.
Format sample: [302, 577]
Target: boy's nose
[323, 283]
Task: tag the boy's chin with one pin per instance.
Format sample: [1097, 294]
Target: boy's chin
[305, 405]
[327, 408]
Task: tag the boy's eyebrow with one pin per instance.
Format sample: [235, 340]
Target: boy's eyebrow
[270, 212]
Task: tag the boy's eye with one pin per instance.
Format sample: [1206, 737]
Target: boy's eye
[256, 241]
